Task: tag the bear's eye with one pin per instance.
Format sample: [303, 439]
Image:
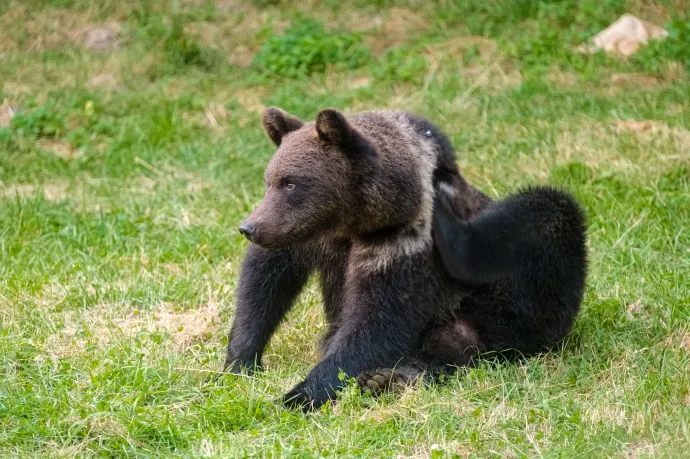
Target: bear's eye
[290, 186]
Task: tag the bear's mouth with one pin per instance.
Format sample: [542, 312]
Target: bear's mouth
[267, 239]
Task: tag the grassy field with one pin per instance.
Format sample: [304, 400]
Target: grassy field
[124, 173]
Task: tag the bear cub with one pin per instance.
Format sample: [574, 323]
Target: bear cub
[419, 270]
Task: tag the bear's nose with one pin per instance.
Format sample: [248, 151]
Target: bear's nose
[247, 230]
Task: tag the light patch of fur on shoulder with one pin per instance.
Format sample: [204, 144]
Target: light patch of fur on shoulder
[376, 258]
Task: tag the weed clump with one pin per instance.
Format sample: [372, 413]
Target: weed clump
[401, 65]
[306, 48]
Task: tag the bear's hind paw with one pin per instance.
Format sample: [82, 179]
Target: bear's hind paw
[383, 380]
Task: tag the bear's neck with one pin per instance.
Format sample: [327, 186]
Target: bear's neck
[385, 247]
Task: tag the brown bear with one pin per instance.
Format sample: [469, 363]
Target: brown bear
[353, 198]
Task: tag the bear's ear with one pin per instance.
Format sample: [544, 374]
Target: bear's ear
[332, 127]
[278, 122]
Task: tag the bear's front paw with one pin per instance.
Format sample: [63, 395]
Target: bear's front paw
[305, 399]
[298, 398]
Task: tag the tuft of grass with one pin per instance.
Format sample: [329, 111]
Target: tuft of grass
[306, 47]
[167, 35]
[119, 258]
[674, 48]
[401, 65]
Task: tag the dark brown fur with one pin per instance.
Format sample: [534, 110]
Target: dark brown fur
[353, 199]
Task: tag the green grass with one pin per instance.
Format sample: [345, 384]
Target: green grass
[125, 174]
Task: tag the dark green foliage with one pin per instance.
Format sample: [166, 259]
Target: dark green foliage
[675, 47]
[675, 180]
[306, 48]
[401, 65]
[43, 121]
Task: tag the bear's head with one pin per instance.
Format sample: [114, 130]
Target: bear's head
[328, 179]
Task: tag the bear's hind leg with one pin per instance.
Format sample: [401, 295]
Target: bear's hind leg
[533, 235]
[450, 344]
[527, 253]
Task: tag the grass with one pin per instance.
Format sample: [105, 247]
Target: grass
[124, 174]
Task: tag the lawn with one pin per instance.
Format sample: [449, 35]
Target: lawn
[127, 165]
